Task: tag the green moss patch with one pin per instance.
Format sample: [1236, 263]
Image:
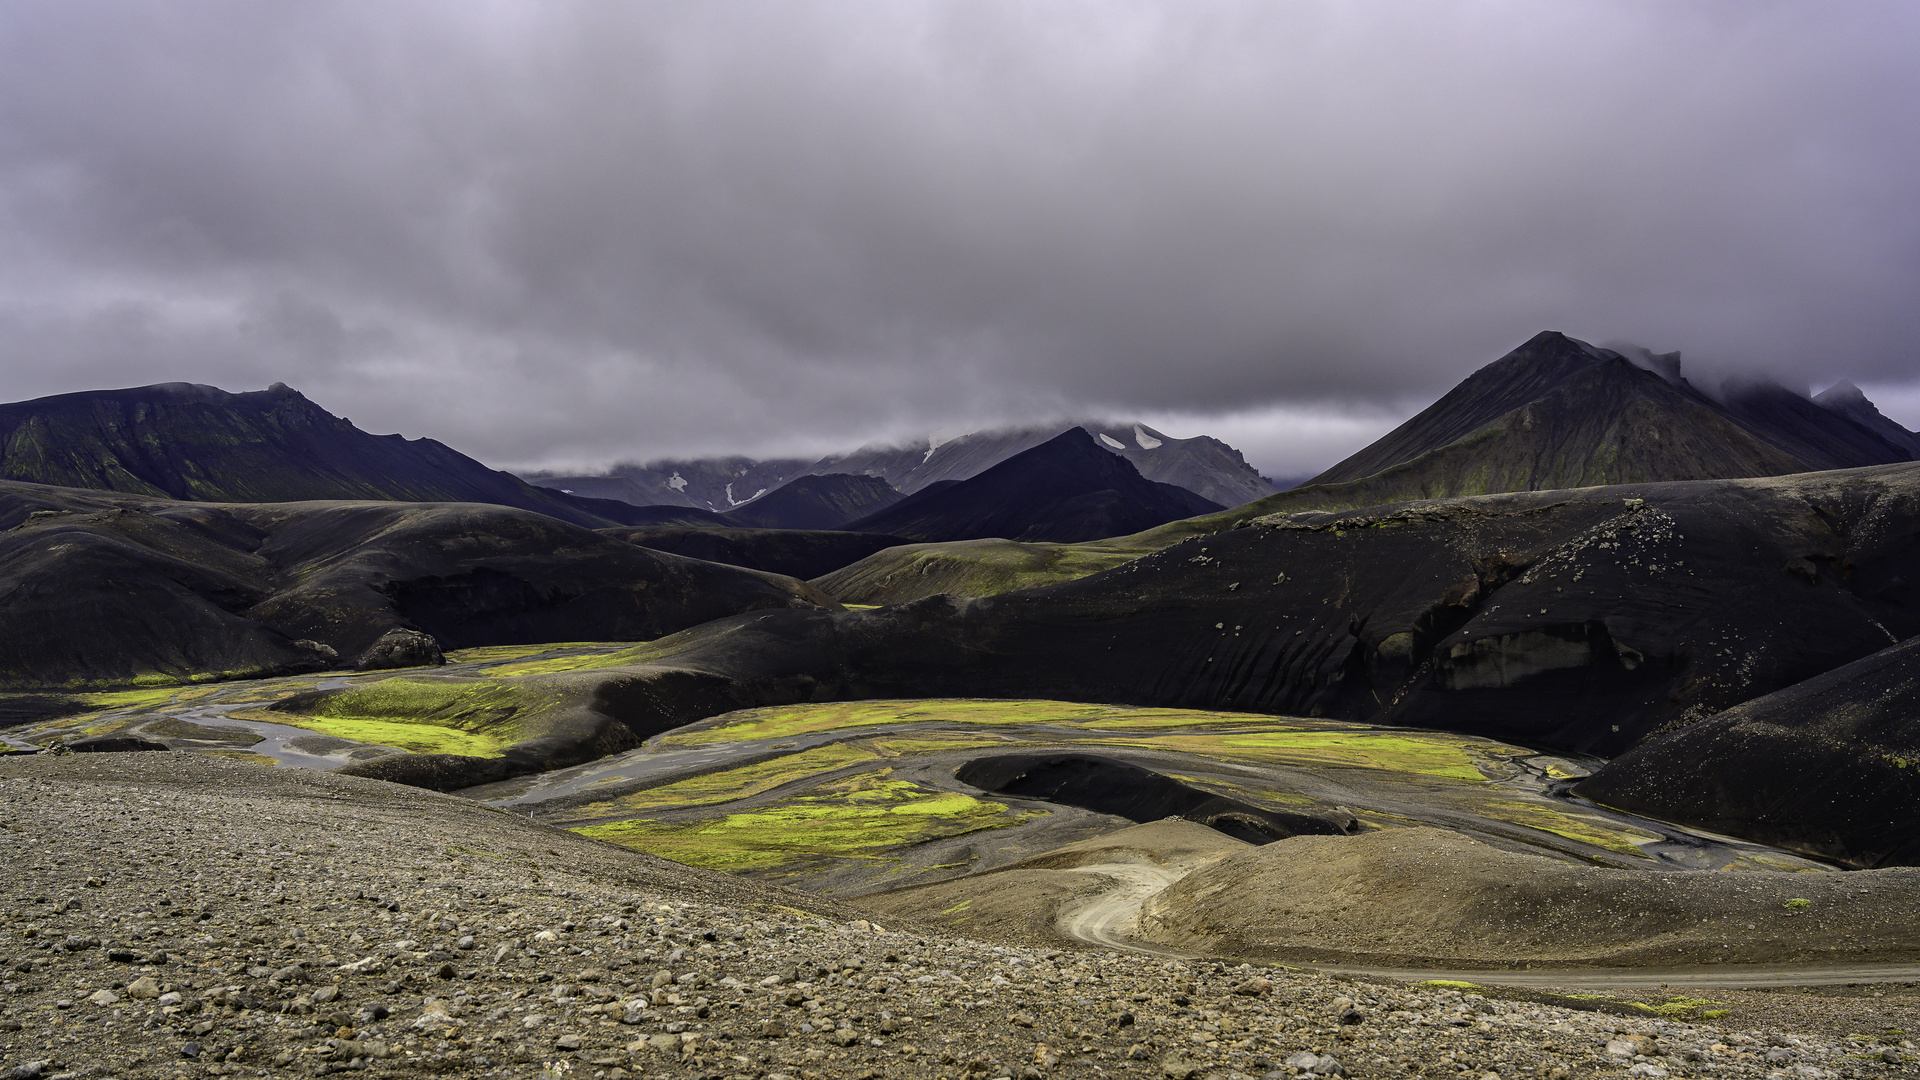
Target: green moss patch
[1587, 830]
[416, 738]
[862, 818]
[1449, 756]
[453, 716]
[789, 721]
[730, 784]
[906, 746]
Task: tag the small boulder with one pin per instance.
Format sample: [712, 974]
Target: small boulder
[401, 648]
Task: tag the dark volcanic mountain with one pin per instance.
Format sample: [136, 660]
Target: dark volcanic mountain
[816, 502]
[1829, 766]
[105, 588]
[1066, 490]
[1559, 413]
[799, 553]
[199, 443]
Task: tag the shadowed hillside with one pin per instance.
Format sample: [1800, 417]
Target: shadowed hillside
[106, 588]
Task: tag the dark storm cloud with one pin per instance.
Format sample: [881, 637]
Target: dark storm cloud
[550, 232]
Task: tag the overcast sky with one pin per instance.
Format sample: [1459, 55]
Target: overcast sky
[554, 233]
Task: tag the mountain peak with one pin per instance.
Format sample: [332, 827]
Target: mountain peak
[1843, 394]
[1851, 402]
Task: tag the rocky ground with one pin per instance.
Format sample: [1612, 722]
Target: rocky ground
[172, 915]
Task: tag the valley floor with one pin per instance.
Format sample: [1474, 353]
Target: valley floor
[178, 915]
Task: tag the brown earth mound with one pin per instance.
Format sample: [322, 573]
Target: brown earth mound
[1415, 897]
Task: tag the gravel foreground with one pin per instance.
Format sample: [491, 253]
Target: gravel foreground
[175, 915]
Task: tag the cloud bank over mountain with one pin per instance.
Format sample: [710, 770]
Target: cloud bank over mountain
[565, 232]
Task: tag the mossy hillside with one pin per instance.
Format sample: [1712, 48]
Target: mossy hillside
[866, 817]
[427, 714]
[415, 738]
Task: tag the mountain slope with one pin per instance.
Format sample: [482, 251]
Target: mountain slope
[1066, 489]
[1526, 374]
[1816, 438]
[1825, 766]
[182, 441]
[1846, 399]
[815, 502]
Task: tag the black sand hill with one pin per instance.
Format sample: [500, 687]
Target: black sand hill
[199, 443]
[1065, 490]
[105, 588]
[1830, 766]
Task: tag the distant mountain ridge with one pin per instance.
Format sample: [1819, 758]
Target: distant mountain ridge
[1065, 490]
[714, 484]
[1203, 465]
[199, 443]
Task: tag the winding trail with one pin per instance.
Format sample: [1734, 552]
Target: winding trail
[1106, 919]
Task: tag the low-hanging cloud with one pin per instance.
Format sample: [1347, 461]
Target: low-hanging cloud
[565, 232]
